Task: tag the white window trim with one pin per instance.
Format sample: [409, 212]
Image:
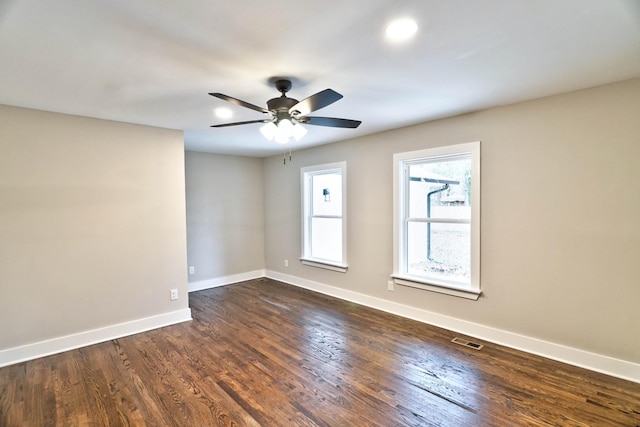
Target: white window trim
[304, 188]
[327, 265]
[400, 202]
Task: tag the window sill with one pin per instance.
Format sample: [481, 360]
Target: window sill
[435, 287]
[324, 264]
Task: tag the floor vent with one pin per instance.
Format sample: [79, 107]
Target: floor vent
[466, 343]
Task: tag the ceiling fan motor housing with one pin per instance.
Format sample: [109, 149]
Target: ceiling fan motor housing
[280, 107]
[281, 104]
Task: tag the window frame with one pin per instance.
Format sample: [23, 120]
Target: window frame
[400, 276]
[306, 175]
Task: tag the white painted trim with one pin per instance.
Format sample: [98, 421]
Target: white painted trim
[445, 288]
[401, 162]
[306, 175]
[82, 339]
[326, 265]
[225, 280]
[595, 362]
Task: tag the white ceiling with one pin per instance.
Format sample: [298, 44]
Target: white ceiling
[153, 62]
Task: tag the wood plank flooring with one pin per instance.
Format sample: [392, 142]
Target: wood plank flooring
[262, 353]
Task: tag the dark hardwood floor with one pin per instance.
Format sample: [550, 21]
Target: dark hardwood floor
[262, 353]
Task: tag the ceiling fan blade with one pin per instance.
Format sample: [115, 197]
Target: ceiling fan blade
[330, 122]
[241, 123]
[316, 101]
[239, 102]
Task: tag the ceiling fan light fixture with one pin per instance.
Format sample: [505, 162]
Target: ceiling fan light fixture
[285, 131]
[298, 132]
[269, 130]
[281, 139]
[285, 126]
[282, 132]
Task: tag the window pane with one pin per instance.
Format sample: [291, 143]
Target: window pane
[439, 251]
[326, 239]
[327, 194]
[441, 188]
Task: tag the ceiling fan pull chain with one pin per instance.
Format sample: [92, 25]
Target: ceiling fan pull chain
[284, 157]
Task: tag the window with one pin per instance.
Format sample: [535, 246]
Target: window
[437, 219]
[323, 216]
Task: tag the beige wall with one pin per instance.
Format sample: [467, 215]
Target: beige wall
[92, 219]
[225, 215]
[92, 224]
[560, 218]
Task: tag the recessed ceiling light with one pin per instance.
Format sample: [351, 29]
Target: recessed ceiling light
[401, 29]
[223, 113]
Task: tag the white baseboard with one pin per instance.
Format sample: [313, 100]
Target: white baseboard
[70, 342]
[592, 361]
[595, 362]
[223, 281]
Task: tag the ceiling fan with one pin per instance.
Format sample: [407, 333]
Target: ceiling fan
[286, 114]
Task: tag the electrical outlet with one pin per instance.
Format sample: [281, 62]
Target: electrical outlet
[174, 294]
[286, 263]
[192, 269]
[390, 285]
